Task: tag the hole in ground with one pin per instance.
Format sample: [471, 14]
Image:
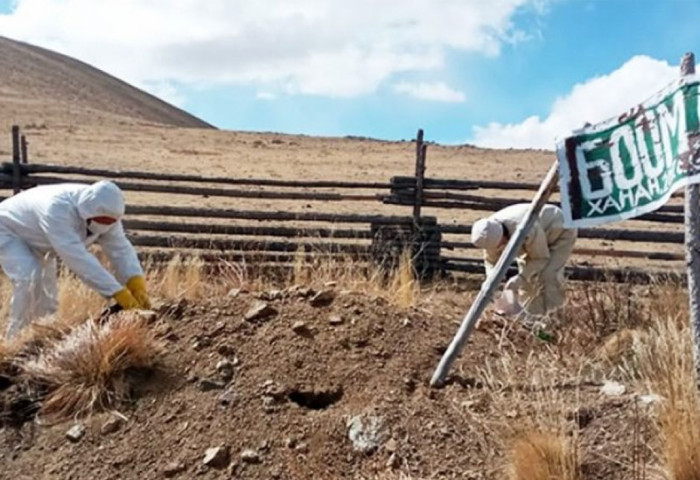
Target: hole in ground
[5, 382]
[316, 398]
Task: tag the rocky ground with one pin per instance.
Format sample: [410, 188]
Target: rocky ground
[325, 383]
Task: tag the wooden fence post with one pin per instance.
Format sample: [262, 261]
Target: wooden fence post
[16, 159]
[25, 156]
[492, 281]
[420, 173]
[692, 237]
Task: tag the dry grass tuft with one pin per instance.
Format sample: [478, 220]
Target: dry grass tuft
[301, 273]
[619, 347]
[403, 287]
[76, 301]
[681, 446]
[666, 365]
[543, 456]
[537, 427]
[182, 277]
[89, 368]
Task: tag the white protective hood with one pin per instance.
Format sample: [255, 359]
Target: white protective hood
[53, 218]
[101, 199]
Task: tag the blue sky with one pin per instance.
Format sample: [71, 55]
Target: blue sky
[500, 73]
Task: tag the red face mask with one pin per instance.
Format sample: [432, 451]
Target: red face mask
[100, 225]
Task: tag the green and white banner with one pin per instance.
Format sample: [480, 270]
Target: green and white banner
[630, 165]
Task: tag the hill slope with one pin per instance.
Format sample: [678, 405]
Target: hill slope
[34, 79]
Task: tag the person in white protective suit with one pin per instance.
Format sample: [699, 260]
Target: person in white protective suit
[539, 285]
[62, 220]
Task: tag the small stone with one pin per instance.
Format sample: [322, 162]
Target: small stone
[391, 446]
[302, 447]
[225, 369]
[201, 343]
[218, 329]
[331, 284]
[300, 291]
[112, 425]
[335, 320]
[649, 399]
[207, 385]
[122, 460]
[259, 311]
[300, 328]
[409, 384]
[76, 433]
[149, 316]
[365, 432]
[393, 462]
[323, 298]
[250, 456]
[291, 442]
[583, 416]
[234, 292]
[217, 457]
[613, 389]
[173, 468]
[225, 350]
[274, 295]
[228, 397]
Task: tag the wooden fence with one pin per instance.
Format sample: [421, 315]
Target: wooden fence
[439, 241]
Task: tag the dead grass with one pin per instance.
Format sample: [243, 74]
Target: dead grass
[77, 301]
[399, 287]
[666, 366]
[88, 369]
[542, 456]
[535, 416]
[182, 277]
[619, 347]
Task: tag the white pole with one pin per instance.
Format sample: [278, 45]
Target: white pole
[692, 236]
[492, 281]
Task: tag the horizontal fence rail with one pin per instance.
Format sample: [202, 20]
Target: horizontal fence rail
[212, 192]
[440, 242]
[103, 173]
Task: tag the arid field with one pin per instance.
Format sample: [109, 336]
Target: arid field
[323, 371]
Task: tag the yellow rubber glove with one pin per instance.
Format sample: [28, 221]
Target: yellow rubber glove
[137, 286]
[125, 299]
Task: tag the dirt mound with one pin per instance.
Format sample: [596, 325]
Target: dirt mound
[40, 83]
[271, 386]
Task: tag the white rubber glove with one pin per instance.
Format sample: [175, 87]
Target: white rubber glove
[514, 283]
[508, 304]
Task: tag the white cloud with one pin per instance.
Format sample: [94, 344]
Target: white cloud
[265, 96]
[595, 100]
[320, 47]
[437, 91]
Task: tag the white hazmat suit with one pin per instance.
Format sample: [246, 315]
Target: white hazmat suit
[45, 222]
[541, 260]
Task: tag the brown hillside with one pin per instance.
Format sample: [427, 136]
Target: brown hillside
[35, 81]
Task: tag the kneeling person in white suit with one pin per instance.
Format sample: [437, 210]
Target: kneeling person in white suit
[539, 285]
[62, 220]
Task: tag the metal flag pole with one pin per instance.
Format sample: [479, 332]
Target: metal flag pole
[692, 236]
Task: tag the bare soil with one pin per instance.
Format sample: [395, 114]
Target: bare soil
[295, 387]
